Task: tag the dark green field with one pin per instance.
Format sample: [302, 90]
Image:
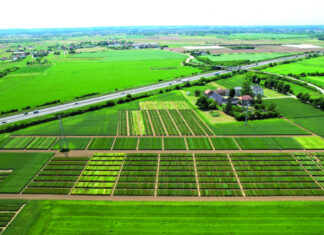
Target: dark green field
[104, 217]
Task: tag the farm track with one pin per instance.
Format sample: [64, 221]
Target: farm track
[236, 176]
[79, 153]
[159, 198]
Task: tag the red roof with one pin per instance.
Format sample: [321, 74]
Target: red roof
[245, 97]
[207, 92]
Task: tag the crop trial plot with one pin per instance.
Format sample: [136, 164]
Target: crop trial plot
[174, 143]
[268, 143]
[138, 175]
[72, 143]
[276, 174]
[41, 143]
[148, 143]
[216, 175]
[101, 143]
[177, 175]
[16, 142]
[226, 143]
[311, 142]
[58, 176]
[8, 210]
[125, 144]
[199, 143]
[99, 175]
[147, 105]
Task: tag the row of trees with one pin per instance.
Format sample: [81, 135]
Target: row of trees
[316, 102]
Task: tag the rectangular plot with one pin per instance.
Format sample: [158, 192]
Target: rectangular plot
[146, 122]
[191, 121]
[168, 123]
[287, 143]
[311, 142]
[150, 144]
[134, 192]
[101, 143]
[284, 192]
[42, 143]
[141, 185]
[182, 126]
[46, 190]
[257, 143]
[72, 143]
[156, 122]
[174, 143]
[199, 144]
[91, 191]
[134, 128]
[125, 144]
[177, 192]
[220, 193]
[122, 123]
[224, 143]
[18, 142]
[202, 124]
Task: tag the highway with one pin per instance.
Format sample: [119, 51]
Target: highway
[116, 95]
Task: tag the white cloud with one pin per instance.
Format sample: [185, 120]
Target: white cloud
[84, 13]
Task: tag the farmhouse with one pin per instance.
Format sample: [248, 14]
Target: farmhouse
[220, 99]
[255, 89]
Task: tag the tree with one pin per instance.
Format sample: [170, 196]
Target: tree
[272, 107]
[202, 102]
[246, 89]
[259, 99]
[212, 104]
[197, 93]
[231, 93]
[228, 107]
[286, 88]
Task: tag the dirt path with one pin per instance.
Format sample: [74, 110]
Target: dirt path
[157, 177]
[179, 133]
[237, 143]
[149, 117]
[139, 123]
[193, 134]
[12, 219]
[116, 181]
[152, 198]
[89, 143]
[211, 144]
[127, 122]
[112, 146]
[157, 111]
[236, 176]
[196, 174]
[307, 172]
[79, 153]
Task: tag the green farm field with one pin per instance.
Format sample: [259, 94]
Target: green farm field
[121, 70]
[24, 166]
[303, 114]
[93, 217]
[305, 66]
[245, 56]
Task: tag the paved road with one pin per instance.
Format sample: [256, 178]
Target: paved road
[78, 104]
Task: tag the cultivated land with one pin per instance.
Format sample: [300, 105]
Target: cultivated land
[178, 217]
[107, 70]
[160, 148]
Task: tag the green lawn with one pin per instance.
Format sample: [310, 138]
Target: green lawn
[73, 143]
[80, 76]
[260, 127]
[105, 217]
[24, 166]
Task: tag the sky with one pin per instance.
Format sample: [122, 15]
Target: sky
[89, 13]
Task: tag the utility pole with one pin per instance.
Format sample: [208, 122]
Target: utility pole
[246, 113]
[62, 137]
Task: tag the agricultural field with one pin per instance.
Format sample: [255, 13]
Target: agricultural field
[109, 70]
[72, 143]
[23, 167]
[244, 56]
[185, 217]
[303, 114]
[182, 174]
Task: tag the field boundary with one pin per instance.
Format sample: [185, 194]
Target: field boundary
[157, 176]
[236, 176]
[13, 217]
[196, 175]
[117, 178]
